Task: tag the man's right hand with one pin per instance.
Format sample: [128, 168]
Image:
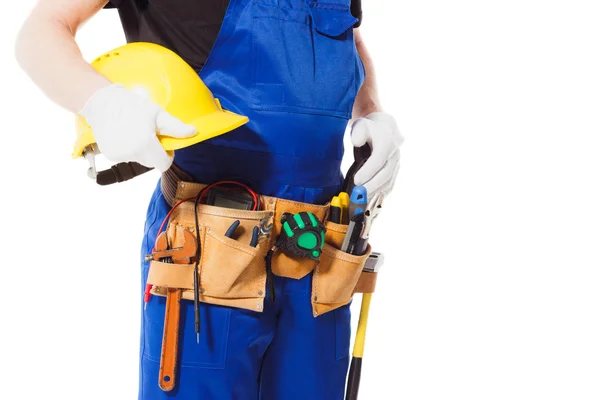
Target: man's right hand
[125, 124]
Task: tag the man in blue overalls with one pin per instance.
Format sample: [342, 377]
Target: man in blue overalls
[300, 72]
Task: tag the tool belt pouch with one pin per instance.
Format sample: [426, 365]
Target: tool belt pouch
[231, 272]
[337, 273]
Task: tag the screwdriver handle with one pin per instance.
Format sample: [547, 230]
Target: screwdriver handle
[358, 201]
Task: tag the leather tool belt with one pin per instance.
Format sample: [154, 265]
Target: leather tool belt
[234, 274]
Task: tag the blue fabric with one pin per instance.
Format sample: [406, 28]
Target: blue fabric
[291, 66]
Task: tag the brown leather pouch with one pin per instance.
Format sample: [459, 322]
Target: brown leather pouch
[337, 273]
[232, 273]
[282, 264]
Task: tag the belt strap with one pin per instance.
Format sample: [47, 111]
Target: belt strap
[120, 172]
[169, 181]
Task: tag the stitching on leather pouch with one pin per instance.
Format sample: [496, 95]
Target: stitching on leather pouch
[181, 186]
[340, 255]
[204, 210]
[303, 205]
[336, 228]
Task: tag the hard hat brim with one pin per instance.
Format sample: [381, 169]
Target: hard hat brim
[208, 127]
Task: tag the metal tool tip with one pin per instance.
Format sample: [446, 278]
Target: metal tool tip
[145, 305]
[198, 338]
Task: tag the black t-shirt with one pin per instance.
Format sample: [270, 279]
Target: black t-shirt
[190, 29]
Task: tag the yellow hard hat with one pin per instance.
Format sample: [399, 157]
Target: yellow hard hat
[168, 81]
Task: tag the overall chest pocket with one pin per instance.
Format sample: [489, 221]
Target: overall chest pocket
[305, 59]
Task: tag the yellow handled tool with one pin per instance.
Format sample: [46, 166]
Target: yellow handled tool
[359, 348]
[361, 332]
[373, 265]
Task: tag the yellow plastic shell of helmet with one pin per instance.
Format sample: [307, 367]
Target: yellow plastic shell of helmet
[171, 83]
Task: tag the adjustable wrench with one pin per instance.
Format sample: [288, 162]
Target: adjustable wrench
[170, 344]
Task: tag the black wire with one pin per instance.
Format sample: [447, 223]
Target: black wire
[196, 264]
[197, 261]
[270, 276]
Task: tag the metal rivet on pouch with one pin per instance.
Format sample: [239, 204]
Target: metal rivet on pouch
[259, 306]
[260, 292]
[201, 291]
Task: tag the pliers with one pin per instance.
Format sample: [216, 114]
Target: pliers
[255, 232]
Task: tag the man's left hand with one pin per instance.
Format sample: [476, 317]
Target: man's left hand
[381, 132]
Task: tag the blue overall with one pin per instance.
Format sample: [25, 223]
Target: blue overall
[291, 66]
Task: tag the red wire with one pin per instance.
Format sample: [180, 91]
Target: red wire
[166, 219]
[254, 195]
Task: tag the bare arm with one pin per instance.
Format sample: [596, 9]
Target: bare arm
[367, 100]
[47, 51]
[377, 128]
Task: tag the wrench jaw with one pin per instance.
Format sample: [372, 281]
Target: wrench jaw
[265, 229]
[185, 254]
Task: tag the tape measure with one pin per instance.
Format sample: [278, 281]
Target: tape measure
[302, 235]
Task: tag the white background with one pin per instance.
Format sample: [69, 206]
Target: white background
[491, 286]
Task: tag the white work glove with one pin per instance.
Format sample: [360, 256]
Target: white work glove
[125, 124]
[381, 132]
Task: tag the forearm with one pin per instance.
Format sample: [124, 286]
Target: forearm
[47, 51]
[367, 100]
